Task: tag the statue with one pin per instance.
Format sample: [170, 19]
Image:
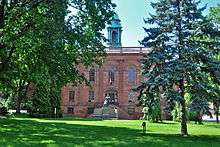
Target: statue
[145, 111]
[106, 101]
[107, 111]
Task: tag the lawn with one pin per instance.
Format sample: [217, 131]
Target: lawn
[85, 132]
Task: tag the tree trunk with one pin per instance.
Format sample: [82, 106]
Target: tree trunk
[18, 102]
[2, 13]
[183, 117]
[20, 95]
[216, 109]
[18, 107]
[183, 120]
[216, 113]
[181, 82]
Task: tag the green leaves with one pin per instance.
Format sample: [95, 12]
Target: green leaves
[43, 43]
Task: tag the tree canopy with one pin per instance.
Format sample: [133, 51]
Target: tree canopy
[44, 42]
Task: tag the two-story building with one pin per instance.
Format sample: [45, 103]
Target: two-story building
[117, 76]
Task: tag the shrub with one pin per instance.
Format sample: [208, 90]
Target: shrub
[151, 103]
[176, 113]
[45, 115]
[3, 111]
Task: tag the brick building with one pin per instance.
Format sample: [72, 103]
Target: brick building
[115, 78]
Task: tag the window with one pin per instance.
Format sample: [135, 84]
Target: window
[70, 110]
[92, 75]
[91, 96]
[131, 75]
[90, 110]
[111, 76]
[71, 96]
[114, 37]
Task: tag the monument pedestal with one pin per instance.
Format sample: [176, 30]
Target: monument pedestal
[109, 112]
[106, 112]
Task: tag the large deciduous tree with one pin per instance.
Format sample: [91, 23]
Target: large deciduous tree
[177, 33]
[43, 42]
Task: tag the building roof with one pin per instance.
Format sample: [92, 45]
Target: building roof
[128, 50]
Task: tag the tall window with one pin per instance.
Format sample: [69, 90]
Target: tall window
[91, 96]
[92, 75]
[114, 37]
[71, 96]
[111, 76]
[131, 75]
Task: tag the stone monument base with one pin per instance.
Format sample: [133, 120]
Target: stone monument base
[106, 112]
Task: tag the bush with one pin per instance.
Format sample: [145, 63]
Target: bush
[37, 115]
[155, 114]
[191, 116]
[3, 111]
[151, 103]
[176, 113]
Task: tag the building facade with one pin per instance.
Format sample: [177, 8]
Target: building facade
[115, 78]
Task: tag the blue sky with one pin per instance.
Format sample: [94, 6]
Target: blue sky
[132, 13]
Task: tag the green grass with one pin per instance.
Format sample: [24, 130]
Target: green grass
[87, 132]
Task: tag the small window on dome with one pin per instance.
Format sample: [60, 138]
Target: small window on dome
[114, 37]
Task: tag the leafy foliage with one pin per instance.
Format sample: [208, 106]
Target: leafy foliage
[176, 113]
[44, 43]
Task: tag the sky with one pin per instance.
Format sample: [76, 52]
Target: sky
[132, 13]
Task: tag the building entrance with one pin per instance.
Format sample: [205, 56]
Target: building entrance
[113, 96]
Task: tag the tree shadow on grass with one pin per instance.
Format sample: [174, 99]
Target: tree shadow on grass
[214, 126]
[72, 119]
[33, 133]
[166, 122]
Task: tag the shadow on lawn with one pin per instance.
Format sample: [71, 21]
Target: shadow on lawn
[72, 119]
[33, 133]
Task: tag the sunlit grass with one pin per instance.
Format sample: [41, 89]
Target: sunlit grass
[87, 132]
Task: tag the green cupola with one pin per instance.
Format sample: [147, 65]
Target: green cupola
[114, 32]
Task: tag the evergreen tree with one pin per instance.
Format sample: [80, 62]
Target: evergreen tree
[176, 61]
[214, 15]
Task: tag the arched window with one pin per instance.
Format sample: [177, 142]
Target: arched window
[92, 75]
[131, 75]
[91, 96]
[114, 37]
[71, 96]
[111, 76]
